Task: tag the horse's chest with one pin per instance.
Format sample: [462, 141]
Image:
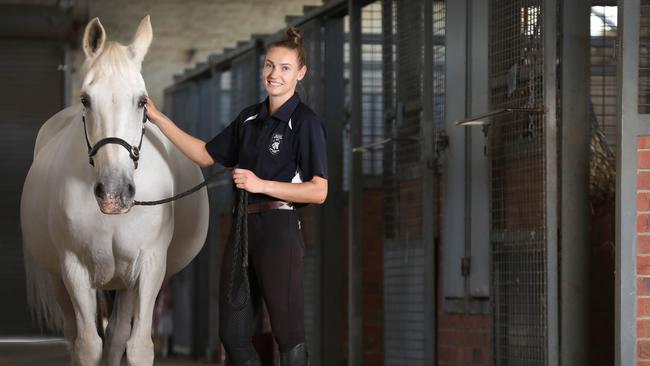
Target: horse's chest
[112, 247]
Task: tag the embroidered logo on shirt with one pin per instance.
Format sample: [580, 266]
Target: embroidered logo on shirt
[274, 147]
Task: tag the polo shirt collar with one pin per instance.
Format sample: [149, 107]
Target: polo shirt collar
[285, 111]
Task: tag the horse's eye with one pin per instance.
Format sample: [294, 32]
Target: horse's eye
[142, 102]
[85, 101]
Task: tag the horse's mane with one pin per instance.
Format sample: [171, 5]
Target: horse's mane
[113, 61]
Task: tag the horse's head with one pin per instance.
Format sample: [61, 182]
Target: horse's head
[114, 96]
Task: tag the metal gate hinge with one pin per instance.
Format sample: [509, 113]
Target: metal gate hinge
[465, 266]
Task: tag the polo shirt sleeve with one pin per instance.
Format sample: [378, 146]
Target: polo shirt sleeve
[312, 151]
[224, 147]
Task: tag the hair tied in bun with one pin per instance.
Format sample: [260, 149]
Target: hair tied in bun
[294, 35]
[293, 41]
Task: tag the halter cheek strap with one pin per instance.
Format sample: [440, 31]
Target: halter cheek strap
[134, 151]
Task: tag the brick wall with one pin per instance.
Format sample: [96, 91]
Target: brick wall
[185, 32]
[643, 251]
[463, 339]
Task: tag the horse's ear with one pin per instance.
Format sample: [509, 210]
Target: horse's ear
[94, 37]
[141, 40]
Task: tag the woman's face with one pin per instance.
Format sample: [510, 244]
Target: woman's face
[282, 71]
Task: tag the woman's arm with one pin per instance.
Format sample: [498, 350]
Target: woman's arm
[314, 191]
[191, 146]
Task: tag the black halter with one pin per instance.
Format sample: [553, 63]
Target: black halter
[134, 151]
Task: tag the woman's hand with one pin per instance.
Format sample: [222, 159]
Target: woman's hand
[247, 180]
[153, 114]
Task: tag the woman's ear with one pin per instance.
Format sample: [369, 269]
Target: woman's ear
[302, 72]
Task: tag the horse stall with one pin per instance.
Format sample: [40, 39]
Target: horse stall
[474, 214]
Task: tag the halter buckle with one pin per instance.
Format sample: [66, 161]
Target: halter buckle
[135, 153]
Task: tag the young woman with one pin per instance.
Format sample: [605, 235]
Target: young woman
[278, 150]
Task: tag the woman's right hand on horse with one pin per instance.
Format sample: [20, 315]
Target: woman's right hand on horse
[191, 146]
[153, 114]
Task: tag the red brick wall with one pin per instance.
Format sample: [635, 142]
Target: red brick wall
[643, 251]
[463, 339]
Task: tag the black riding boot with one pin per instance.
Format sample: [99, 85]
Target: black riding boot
[255, 361]
[297, 356]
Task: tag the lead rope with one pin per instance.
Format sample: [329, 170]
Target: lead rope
[209, 182]
[240, 249]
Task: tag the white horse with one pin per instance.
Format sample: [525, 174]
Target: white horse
[82, 234]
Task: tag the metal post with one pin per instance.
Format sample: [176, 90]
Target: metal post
[551, 156]
[574, 209]
[355, 264]
[626, 167]
[428, 188]
[332, 268]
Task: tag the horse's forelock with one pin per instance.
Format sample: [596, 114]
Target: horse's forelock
[113, 61]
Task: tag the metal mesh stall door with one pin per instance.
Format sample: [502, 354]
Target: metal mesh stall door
[603, 69]
[603, 98]
[518, 183]
[245, 80]
[644, 58]
[372, 125]
[402, 181]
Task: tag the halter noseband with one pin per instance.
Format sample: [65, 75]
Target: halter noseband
[134, 151]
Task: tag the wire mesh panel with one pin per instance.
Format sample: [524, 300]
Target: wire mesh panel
[518, 183]
[603, 98]
[403, 176]
[245, 80]
[372, 129]
[404, 262]
[439, 60]
[223, 100]
[644, 58]
[603, 69]
[371, 87]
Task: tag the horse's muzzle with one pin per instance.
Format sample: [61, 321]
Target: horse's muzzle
[114, 200]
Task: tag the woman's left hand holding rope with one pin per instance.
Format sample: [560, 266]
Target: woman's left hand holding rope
[247, 180]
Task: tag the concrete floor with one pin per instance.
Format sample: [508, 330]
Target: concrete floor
[52, 352]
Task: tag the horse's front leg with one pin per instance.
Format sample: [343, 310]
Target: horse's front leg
[119, 327]
[87, 348]
[139, 348]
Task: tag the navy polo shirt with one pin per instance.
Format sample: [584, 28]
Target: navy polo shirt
[288, 146]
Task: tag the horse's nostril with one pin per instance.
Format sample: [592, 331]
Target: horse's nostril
[131, 190]
[99, 190]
